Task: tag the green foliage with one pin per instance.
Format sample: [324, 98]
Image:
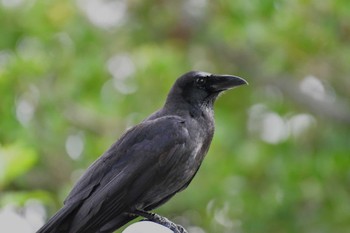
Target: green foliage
[71, 83]
[15, 161]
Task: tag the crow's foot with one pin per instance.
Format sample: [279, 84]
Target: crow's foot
[160, 220]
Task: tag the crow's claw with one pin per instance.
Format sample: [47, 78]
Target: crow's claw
[161, 220]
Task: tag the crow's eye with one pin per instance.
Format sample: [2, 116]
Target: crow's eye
[200, 81]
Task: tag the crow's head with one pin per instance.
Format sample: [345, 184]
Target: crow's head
[196, 87]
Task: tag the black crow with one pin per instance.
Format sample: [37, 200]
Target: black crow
[150, 162]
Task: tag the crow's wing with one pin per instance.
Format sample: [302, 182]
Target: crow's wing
[115, 182]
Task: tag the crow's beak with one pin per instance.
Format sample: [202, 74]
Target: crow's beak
[218, 83]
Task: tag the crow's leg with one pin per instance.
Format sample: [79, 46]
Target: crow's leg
[160, 220]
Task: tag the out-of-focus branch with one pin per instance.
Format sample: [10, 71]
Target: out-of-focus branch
[335, 110]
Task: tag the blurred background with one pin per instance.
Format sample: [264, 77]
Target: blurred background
[74, 75]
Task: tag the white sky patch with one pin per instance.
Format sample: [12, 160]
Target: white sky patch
[34, 212]
[270, 127]
[26, 105]
[12, 221]
[121, 66]
[124, 87]
[104, 13]
[75, 146]
[300, 123]
[24, 111]
[122, 69]
[313, 87]
[146, 226]
[273, 128]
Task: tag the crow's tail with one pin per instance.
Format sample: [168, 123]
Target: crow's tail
[60, 222]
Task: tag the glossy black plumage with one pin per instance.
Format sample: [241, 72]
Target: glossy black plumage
[149, 163]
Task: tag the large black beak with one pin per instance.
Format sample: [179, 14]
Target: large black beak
[218, 83]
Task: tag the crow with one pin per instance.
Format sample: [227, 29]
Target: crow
[150, 162]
